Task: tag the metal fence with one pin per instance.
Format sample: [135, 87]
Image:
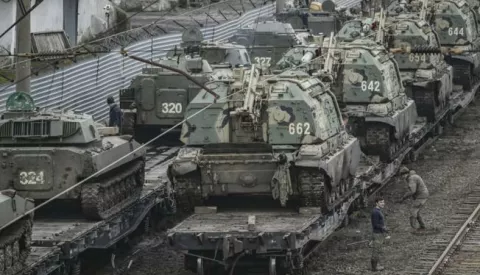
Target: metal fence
[85, 86]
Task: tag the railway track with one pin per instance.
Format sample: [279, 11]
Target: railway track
[455, 250]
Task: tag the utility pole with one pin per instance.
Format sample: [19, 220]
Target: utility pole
[24, 45]
[280, 6]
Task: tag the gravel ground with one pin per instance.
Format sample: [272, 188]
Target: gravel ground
[449, 168]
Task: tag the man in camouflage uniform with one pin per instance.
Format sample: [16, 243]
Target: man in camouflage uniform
[419, 192]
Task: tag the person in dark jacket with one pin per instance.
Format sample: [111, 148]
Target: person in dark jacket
[378, 236]
[115, 113]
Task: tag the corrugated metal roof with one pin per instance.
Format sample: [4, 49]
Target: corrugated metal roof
[49, 42]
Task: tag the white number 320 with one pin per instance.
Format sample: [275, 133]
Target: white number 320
[299, 128]
[171, 108]
[27, 178]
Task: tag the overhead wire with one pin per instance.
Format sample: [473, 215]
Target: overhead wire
[136, 150]
[85, 45]
[25, 14]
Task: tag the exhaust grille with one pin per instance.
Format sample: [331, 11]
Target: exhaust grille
[37, 128]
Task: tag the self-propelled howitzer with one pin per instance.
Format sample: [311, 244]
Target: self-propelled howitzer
[457, 28]
[368, 83]
[157, 98]
[425, 75]
[46, 152]
[279, 137]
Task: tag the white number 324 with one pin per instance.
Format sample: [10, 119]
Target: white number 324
[27, 178]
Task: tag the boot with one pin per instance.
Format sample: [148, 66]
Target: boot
[413, 222]
[421, 223]
[376, 267]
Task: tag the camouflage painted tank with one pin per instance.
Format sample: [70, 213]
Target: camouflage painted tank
[426, 77]
[49, 151]
[159, 96]
[318, 18]
[456, 26]
[15, 238]
[281, 138]
[267, 41]
[369, 85]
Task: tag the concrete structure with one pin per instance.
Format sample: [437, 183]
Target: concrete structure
[80, 19]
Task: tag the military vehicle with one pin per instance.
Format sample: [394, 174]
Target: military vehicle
[367, 79]
[256, 145]
[157, 98]
[51, 150]
[16, 237]
[426, 77]
[318, 17]
[267, 41]
[262, 142]
[369, 85]
[457, 28]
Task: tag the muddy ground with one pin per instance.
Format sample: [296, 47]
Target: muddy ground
[450, 168]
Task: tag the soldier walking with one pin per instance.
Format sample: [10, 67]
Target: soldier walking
[419, 192]
[378, 236]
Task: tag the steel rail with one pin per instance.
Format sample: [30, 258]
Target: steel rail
[462, 232]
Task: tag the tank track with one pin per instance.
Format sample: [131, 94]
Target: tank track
[101, 200]
[462, 75]
[312, 188]
[425, 102]
[315, 193]
[378, 137]
[188, 193]
[15, 244]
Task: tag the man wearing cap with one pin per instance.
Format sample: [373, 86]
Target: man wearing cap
[418, 191]
[115, 113]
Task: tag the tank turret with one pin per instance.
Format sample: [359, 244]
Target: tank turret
[369, 85]
[426, 76]
[52, 150]
[276, 136]
[160, 95]
[16, 237]
[457, 27]
[266, 41]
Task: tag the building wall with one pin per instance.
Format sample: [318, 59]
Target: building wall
[92, 19]
[48, 16]
[7, 18]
